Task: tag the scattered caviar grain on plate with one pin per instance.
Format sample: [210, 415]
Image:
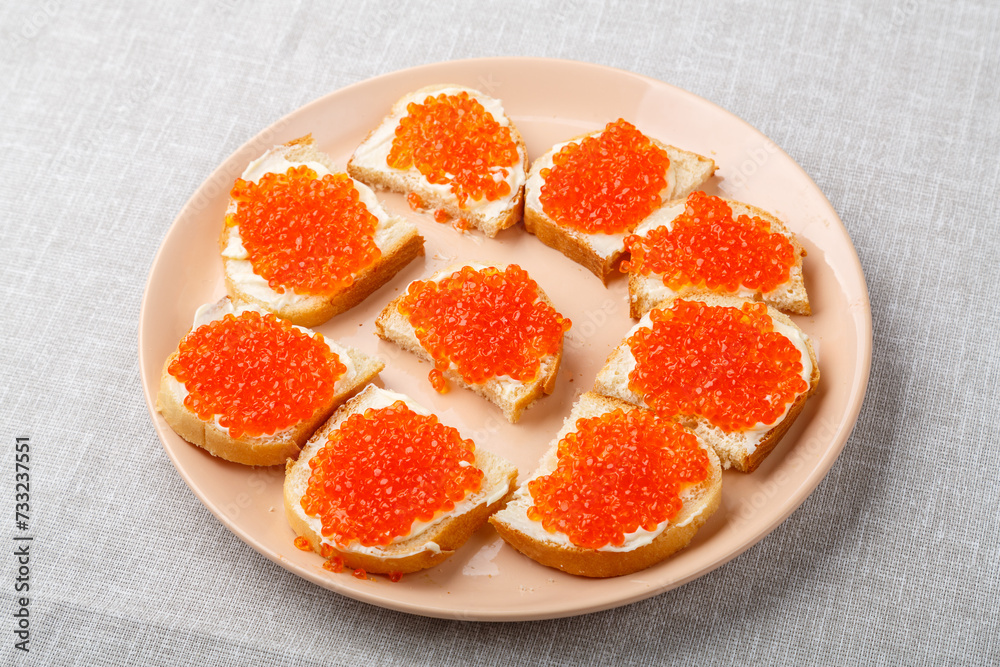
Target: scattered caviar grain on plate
[334, 564]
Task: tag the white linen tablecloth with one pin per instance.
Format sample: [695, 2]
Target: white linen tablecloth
[111, 114]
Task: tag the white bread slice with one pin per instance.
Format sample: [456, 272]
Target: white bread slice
[744, 450]
[368, 164]
[512, 396]
[265, 450]
[641, 550]
[422, 550]
[398, 240]
[601, 252]
[645, 291]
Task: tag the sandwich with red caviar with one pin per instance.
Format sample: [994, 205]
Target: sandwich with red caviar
[305, 241]
[737, 372]
[251, 388]
[584, 196]
[710, 244]
[452, 150]
[386, 487]
[619, 490]
[490, 329]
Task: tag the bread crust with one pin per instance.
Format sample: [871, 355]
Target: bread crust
[395, 180]
[687, 172]
[317, 309]
[789, 297]
[408, 555]
[393, 327]
[702, 501]
[268, 450]
[574, 247]
[612, 382]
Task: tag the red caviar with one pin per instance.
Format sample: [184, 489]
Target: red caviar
[488, 323]
[725, 364]
[359, 573]
[394, 577]
[707, 246]
[605, 183]
[438, 381]
[302, 232]
[258, 373]
[381, 471]
[302, 543]
[334, 564]
[452, 140]
[615, 474]
[441, 215]
[413, 199]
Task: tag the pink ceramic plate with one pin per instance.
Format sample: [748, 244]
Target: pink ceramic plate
[550, 101]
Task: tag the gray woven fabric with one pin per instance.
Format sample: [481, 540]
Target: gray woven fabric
[110, 117]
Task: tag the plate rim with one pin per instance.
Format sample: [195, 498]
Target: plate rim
[833, 450]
